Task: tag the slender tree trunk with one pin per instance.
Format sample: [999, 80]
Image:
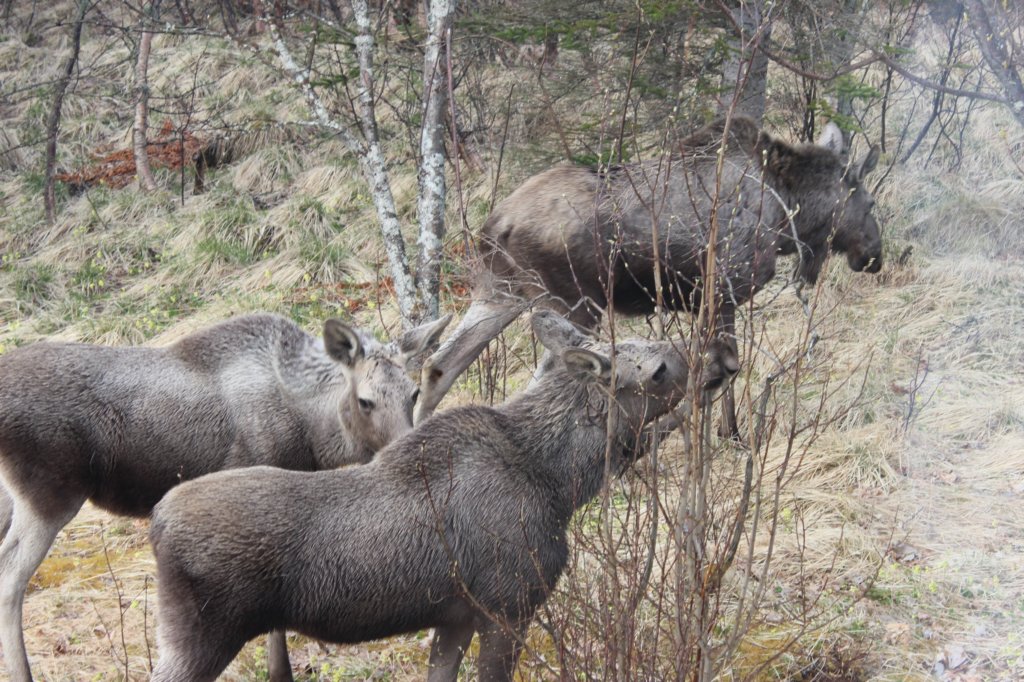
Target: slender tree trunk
[53, 122]
[993, 29]
[375, 170]
[844, 42]
[745, 72]
[431, 207]
[139, 138]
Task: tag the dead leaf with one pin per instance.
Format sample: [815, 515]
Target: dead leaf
[60, 647]
[897, 633]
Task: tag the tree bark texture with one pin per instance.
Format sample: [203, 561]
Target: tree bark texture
[367, 149]
[745, 71]
[375, 170]
[139, 136]
[53, 121]
[431, 206]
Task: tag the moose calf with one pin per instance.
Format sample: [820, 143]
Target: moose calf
[460, 525]
[122, 426]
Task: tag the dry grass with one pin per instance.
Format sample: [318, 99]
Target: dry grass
[915, 494]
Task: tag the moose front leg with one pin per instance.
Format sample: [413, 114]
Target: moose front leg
[484, 320]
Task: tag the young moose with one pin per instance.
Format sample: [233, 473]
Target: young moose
[122, 426]
[459, 525]
[582, 239]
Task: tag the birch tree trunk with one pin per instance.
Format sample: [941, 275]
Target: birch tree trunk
[375, 169]
[417, 298]
[139, 137]
[430, 208]
[53, 121]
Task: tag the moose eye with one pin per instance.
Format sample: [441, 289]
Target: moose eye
[659, 374]
[366, 405]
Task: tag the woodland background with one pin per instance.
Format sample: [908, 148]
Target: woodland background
[334, 159]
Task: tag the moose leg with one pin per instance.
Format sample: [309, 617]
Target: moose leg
[484, 320]
[278, 666]
[730, 428]
[191, 649]
[500, 644]
[6, 511]
[447, 649]
[24, 547]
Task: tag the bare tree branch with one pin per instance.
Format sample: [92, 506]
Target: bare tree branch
[991, 26]
[367, 150]
[53, 122]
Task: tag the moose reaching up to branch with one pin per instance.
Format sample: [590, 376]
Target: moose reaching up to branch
[580, 240]
[459, 525]
[122, 426]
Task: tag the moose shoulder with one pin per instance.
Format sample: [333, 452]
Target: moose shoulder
[122, 426]
[580, 240]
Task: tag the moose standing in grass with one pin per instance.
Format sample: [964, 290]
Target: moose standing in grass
[122, 426]
[459, 525]
[581, 240]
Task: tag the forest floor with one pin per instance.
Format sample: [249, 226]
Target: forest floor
[928, 492]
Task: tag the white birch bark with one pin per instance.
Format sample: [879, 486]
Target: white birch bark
[367, 150]
[139, 135]
[431, 206]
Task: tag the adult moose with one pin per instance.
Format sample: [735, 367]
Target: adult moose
[579, 239]
[122, 426]
[459, 525]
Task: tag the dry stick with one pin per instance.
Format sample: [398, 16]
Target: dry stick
[120, 608]
[466, 238]
[145, 625]
[501, 149]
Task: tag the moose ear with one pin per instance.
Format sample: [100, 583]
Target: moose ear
[588, 365]
[832, 138]
[869, 162]
[555, 332]
[778, 156]
[423, 338]
[342, 342]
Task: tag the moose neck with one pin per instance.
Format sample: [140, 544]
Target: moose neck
[566, 436]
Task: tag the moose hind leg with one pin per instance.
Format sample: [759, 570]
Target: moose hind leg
[6, 511]
[500, 644]
[447, 649]
[28, 539]
[278, 666]
[191, 654]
